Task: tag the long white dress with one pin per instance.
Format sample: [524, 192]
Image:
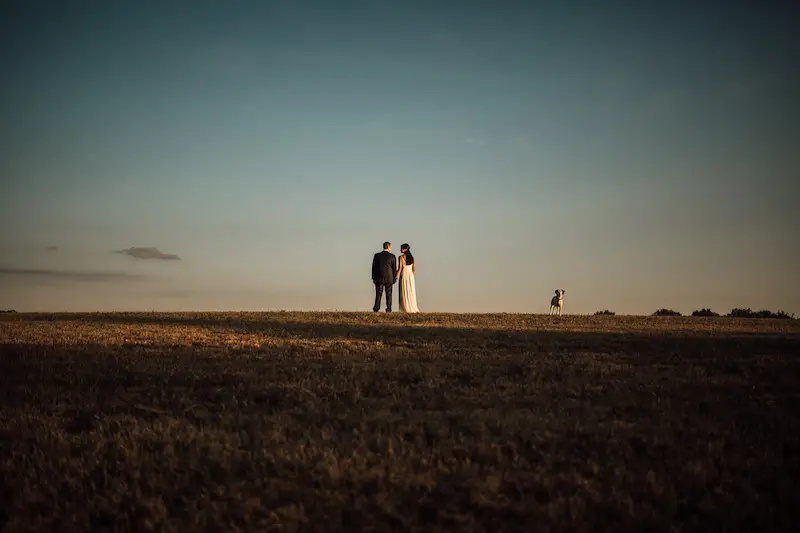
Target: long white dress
[408, 289]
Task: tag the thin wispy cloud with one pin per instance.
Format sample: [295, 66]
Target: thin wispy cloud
[50, 274]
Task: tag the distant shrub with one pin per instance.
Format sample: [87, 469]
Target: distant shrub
[7, 311]
[605, 312]
[666, 312]
[704, 312]
[764, 313]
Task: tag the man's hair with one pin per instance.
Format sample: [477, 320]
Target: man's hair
[386, 245]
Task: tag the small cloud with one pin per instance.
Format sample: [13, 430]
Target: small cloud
[67, 275]
[52, 248]
[147, 253]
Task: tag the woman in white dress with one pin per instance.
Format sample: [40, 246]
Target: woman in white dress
[407, 269]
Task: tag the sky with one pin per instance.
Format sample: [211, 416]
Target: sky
[638, 156]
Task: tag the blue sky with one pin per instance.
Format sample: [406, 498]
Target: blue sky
[639, 157]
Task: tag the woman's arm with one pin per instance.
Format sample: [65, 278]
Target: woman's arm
[414, 267]
[401, 262]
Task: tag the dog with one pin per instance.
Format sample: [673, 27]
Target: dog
[557, 303]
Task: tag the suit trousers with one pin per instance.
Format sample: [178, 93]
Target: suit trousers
[379, 289]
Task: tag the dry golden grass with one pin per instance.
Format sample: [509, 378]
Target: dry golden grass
[362, 422]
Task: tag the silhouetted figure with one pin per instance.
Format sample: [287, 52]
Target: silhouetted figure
[384, 275]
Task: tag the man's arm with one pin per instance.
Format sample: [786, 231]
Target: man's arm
[374, 267]
[394, 268]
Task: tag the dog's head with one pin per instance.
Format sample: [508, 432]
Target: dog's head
[560, 292]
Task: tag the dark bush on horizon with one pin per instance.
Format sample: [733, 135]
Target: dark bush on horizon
[605, 312]
[704, 312]
[764, 313]
[666, 312]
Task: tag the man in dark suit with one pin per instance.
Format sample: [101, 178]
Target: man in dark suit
[384, 275]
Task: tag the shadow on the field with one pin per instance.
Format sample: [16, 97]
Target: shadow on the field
[149, 380]
[409, 335]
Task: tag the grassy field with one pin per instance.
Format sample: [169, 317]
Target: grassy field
[362, 422]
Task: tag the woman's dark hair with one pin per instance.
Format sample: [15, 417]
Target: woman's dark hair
[406, 249]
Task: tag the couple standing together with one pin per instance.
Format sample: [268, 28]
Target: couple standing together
[386, 269]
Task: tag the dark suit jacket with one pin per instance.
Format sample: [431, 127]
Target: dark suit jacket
[384, 268]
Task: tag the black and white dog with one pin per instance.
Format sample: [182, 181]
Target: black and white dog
[557, 303]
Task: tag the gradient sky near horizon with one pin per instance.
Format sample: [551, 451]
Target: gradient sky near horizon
[639, 155]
